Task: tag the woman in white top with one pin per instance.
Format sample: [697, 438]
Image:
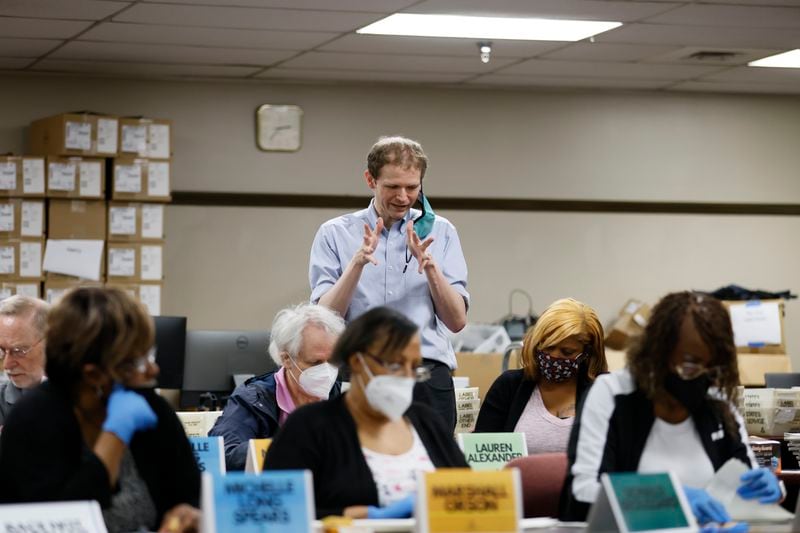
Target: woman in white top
[561, 356]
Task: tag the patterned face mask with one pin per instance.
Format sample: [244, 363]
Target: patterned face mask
[556, 369]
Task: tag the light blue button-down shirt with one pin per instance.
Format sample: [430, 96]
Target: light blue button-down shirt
[390, 283]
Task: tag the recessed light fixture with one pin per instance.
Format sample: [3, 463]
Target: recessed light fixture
[469, 27]
[790, 59]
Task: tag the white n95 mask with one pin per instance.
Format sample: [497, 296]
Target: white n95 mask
[317, 380]
[387, 394]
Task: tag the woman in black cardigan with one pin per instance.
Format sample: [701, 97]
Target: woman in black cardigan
[561, 356]
[365, 447]
[96, 430]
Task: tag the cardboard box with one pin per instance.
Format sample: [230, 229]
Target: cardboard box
[758, 326]
[134, 262]
[752, 367]
[145, 137]
[482, 369]
[76, 177]
[147, 293]
[76, 219]
[54, 289]
[22, 176]
[21, 259]
[82, 134]
[21, 218]
[26, 288]
[629, 323]
[140, 179]
[133, 221]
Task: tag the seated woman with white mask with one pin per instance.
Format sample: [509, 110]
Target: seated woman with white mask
[365, 447]
[301, 341]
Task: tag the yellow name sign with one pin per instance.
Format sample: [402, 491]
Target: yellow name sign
[460, 499]
[256, 452]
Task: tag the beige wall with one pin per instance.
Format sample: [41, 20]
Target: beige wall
[234, 267]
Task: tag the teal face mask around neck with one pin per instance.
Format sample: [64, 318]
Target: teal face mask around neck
[423, 224]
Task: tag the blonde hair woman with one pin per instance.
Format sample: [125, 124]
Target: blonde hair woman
[561, 356]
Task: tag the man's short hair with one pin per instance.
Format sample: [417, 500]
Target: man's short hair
[396, 150]
[25, 306]
[287, 328]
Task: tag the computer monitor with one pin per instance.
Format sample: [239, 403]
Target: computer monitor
[214, 357]
[170, 350]
[782, 380]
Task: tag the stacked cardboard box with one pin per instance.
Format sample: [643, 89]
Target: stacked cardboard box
[629, 323]
[758, 333]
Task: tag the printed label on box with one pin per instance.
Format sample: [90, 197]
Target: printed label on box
[121, 262]
[28, 289]
[151, 262]
[107, 135]
[134, 139]
[33, 176]
[6, 217]
[7, 258]
[90, 178]
[30, 259]
[158, 178]
[152, 221]
[62, 176]
[150, 296]
[159, 141]
[32, 220]
[78, 135]
[8, 176]
[128, 178]
[122, 221]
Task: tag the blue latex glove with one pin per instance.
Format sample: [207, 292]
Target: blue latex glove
[126, 413]
[762, 484]
[705, 508]
[738, 527]
[400, 509]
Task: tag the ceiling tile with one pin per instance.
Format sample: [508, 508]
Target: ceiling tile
[703, 36]
[372, 6]
[731, 16]
[547, 67]
[362, 75]
[61, 9]
[26, 47]
[169, 54]
[756, 75]
[386, 44]
[184, 35]
[688, 55]
[390, 63]
[623, 11]
[143, 69]
[13, 63]
[246, 17]
[41, 28]
[555, 81]
[718, 87]
[584, 51]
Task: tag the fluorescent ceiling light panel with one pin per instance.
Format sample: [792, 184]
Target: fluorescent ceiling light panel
[523, 29]
[790, 59]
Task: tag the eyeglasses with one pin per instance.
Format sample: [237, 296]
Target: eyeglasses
[688, 370]
[421, 373]
[18, 352]
[140, 364]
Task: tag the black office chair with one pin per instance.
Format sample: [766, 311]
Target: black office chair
[782, 380]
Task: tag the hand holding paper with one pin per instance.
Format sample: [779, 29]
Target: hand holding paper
[705, 508]
[760, 483]
[400, 509]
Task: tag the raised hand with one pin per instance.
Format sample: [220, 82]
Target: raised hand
[369, 244]
[418, 247]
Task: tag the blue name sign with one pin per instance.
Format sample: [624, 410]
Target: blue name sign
[209, 452]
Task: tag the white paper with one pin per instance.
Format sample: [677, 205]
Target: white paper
[8, 176]
[74, 257]
[784, 415]
[128, 178]
[158, 178]
[134, 139]
[33, 176]
[122, 220]
[122, 262]
[28, 289]
[7, 257]
[158, 141]
[32, 219]
[107, 135]
[5, 292]
[90, 178]
[7, 217]
[52, 295]
[756, 323]
[723, 488]
[78, 135]
[30, 259]
[151, 262]
[75, 517]
[150, 296]
[61, 176]
[152, 221]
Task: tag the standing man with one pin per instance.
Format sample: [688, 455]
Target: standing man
[23, 321]
[390, 254]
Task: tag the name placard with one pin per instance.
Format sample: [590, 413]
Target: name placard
[461, 499]
[209, 452]
[491, 451]
[256, 452]
[57, 517]
[279, 501]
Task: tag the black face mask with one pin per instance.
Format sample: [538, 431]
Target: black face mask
[691, 393]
